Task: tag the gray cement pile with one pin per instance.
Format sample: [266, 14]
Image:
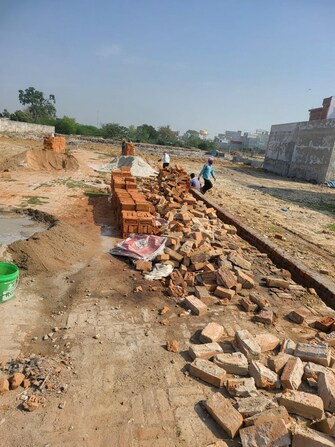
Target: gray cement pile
[138, 166]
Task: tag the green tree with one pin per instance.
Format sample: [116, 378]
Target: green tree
[83, 129]
[66, 125]
[38, 107]
[167, 136]
[19, 115]
[146, 133]
[5, 114]
[131, 132]
[113, 130]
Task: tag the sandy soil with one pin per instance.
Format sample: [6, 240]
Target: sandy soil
[124, 388]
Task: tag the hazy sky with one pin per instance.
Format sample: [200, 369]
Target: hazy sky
[199, 64]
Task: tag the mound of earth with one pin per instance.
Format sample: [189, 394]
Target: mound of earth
[52, 250]
[40, 160]
[138, 166]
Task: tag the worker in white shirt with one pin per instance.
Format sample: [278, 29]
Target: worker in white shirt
[166, 160]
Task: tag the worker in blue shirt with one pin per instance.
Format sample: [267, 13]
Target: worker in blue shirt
[206, 172]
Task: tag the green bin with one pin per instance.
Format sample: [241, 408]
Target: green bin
[9, 278]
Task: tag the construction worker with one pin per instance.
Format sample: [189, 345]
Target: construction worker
[166, 160]
[194, 182]
[123, 145]
[206, 172]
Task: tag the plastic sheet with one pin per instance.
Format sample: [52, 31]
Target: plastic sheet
[140, 246]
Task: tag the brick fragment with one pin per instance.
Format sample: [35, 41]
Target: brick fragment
[233, 363]
[326, 425]
[205, 351]
[299, 315]
[267, 341]
[306, 405]
[238, 260]
[318, 353]
[241, 387]
[264, 316]
[173, 254]
[196, 305]
[249, 406]
[277, 283]
[189, 278]
[278, 362]
[4, 384]
[202, 293]
[324, 324]
[264, 377]
[247, 344]
[225, 278]
[271, 433]
[224, 414]
[260, 301]
[248, 305]
[312, 370]
[212, 332]
[268, 415]
[326, 390]
[208, 372]
[292, 374]
[246, 280]
[16, 380]
[307, 437]
[221, 292]
[288, 346]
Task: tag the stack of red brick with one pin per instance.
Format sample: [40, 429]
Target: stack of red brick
[131, 207]
[129, 149]
[55, 144]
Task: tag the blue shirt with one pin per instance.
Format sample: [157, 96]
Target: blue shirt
[207, 171]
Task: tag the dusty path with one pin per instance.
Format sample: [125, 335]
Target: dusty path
[124, 388]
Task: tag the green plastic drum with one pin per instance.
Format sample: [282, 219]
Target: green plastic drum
[9, 278]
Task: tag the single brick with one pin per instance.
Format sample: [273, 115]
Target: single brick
[292, 374]
[326, 425]
[271, 433]
[324, 324]
[248, 305]
[288, 346]
[261, 302]
[277, 283]
[264, 377]
[221, 292]
[313, 370]
[247, 344]
[196, 305]
[246, 280]
[265, 317]
[224, 414]
[268, 415]
[298, 315]
[233, 363]
[307, 437]
[278, 362]
[241, 387]
[238, 260]
[306, 405]
[326, 390]
[208, 372]
[225, 278]
[267, 341]
[318, 353]
[211, 332]
[249, 406]
[206, 351]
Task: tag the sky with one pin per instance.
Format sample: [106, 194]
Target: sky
[191, 64]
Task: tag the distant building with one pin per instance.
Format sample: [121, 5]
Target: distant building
[258, 139]
[234, 140]
[327, 111]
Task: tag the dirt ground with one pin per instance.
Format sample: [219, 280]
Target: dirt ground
[120, 386]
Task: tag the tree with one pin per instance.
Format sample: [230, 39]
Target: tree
[113, 130]
[191, 134]
[146, 133]
[19, 115]
[5, 114]
[38, 107]
[167, 136]
[66, 125]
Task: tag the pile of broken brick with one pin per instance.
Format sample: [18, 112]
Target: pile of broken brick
[209, 259]
[36, 376]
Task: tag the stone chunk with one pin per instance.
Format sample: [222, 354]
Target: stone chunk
[249, 406]
[225, 278]
[292, 374]
[265, 317]
[235, 363]
[16, 380]
[278, 362]
[268, 415]
[247, 344]
[267, 341]
[206, 351]
[299, 315]
[272, 433]
[241, 387]
[326, 390]
[277, 283]
[208, 372]
[318, 353]
[4, 384]
[196, 305]
[264, 377]
[306, 437]
[212, 332]
[224, 414]
[246, 280]
[221, 292]
[306, 405]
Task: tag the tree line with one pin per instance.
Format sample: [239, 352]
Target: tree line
[40, 110]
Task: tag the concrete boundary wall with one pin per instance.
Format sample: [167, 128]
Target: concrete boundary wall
[18, 127]
[300, 273]
[304, 150]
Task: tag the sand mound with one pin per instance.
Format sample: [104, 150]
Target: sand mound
[138, 166]
[40, 160]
